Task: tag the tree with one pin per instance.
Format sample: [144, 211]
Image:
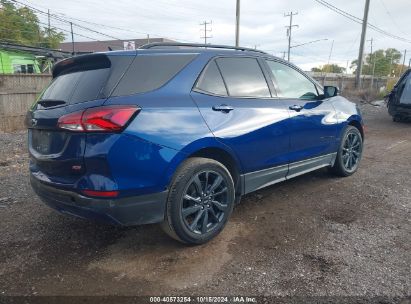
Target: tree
[21, 26]
[329, 68]
[386, 63]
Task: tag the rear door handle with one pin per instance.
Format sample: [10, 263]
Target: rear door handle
[223, 108]
[296, 108]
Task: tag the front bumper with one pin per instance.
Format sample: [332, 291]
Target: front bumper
[136, 210]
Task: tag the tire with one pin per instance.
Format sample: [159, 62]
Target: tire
[349, 152]
[193, 215]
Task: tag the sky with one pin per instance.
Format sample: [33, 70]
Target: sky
[262, 24]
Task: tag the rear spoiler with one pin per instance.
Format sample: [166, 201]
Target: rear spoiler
[81, 63]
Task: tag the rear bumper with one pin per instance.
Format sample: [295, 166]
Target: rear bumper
[136, 210]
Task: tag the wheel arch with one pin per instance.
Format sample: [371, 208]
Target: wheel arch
[212, 149]
[225, 158]
[357, 124]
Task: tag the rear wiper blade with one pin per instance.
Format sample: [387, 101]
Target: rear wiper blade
[51, 102]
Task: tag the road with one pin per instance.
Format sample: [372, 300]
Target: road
[316, 235]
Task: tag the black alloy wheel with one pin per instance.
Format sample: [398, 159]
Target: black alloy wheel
[201, 199]
[349, 153]
[205, 202]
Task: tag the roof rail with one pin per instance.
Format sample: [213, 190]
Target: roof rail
[199, 45]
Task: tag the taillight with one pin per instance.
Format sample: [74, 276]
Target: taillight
[101, 119]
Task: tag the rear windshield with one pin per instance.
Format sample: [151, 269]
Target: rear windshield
[77, 87]
[150, 72]
[80, 85]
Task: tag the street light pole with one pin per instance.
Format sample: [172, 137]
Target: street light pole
[294, 46]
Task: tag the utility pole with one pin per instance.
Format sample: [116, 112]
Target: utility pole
[284, 52]
[403, 63]
[392, 57]
[48, 19]
[389, 75]
[72, 38]
[148, 38]
[409, 63]
[237, 24]
[329, 58]
[289, 30]
[361, 51]
[372, 61]
[206, 31]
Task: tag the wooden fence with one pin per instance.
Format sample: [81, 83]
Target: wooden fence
[17, 94]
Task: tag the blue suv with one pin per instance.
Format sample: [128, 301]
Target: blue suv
[177, 133]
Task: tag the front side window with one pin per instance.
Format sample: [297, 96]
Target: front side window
[291, 83]
[211, 81]
[243, 77]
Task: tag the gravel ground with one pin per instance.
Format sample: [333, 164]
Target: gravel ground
[316, 235]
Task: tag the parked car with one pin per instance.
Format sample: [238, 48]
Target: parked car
[177, 133]
[399, 99]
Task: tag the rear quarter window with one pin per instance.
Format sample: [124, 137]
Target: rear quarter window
[211, 81]
[150, 72]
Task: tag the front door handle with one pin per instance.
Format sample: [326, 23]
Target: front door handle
[296, 108]
[223, 108]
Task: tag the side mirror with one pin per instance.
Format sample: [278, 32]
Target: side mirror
[330, 91]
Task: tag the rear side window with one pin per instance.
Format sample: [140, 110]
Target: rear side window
[243, 77]
[149, 72]
[211, 81]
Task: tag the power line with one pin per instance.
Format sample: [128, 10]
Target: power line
[359, 21]
[64, 20]
[45, 24]
[67, 19]
[67, 31]
[391, 17]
